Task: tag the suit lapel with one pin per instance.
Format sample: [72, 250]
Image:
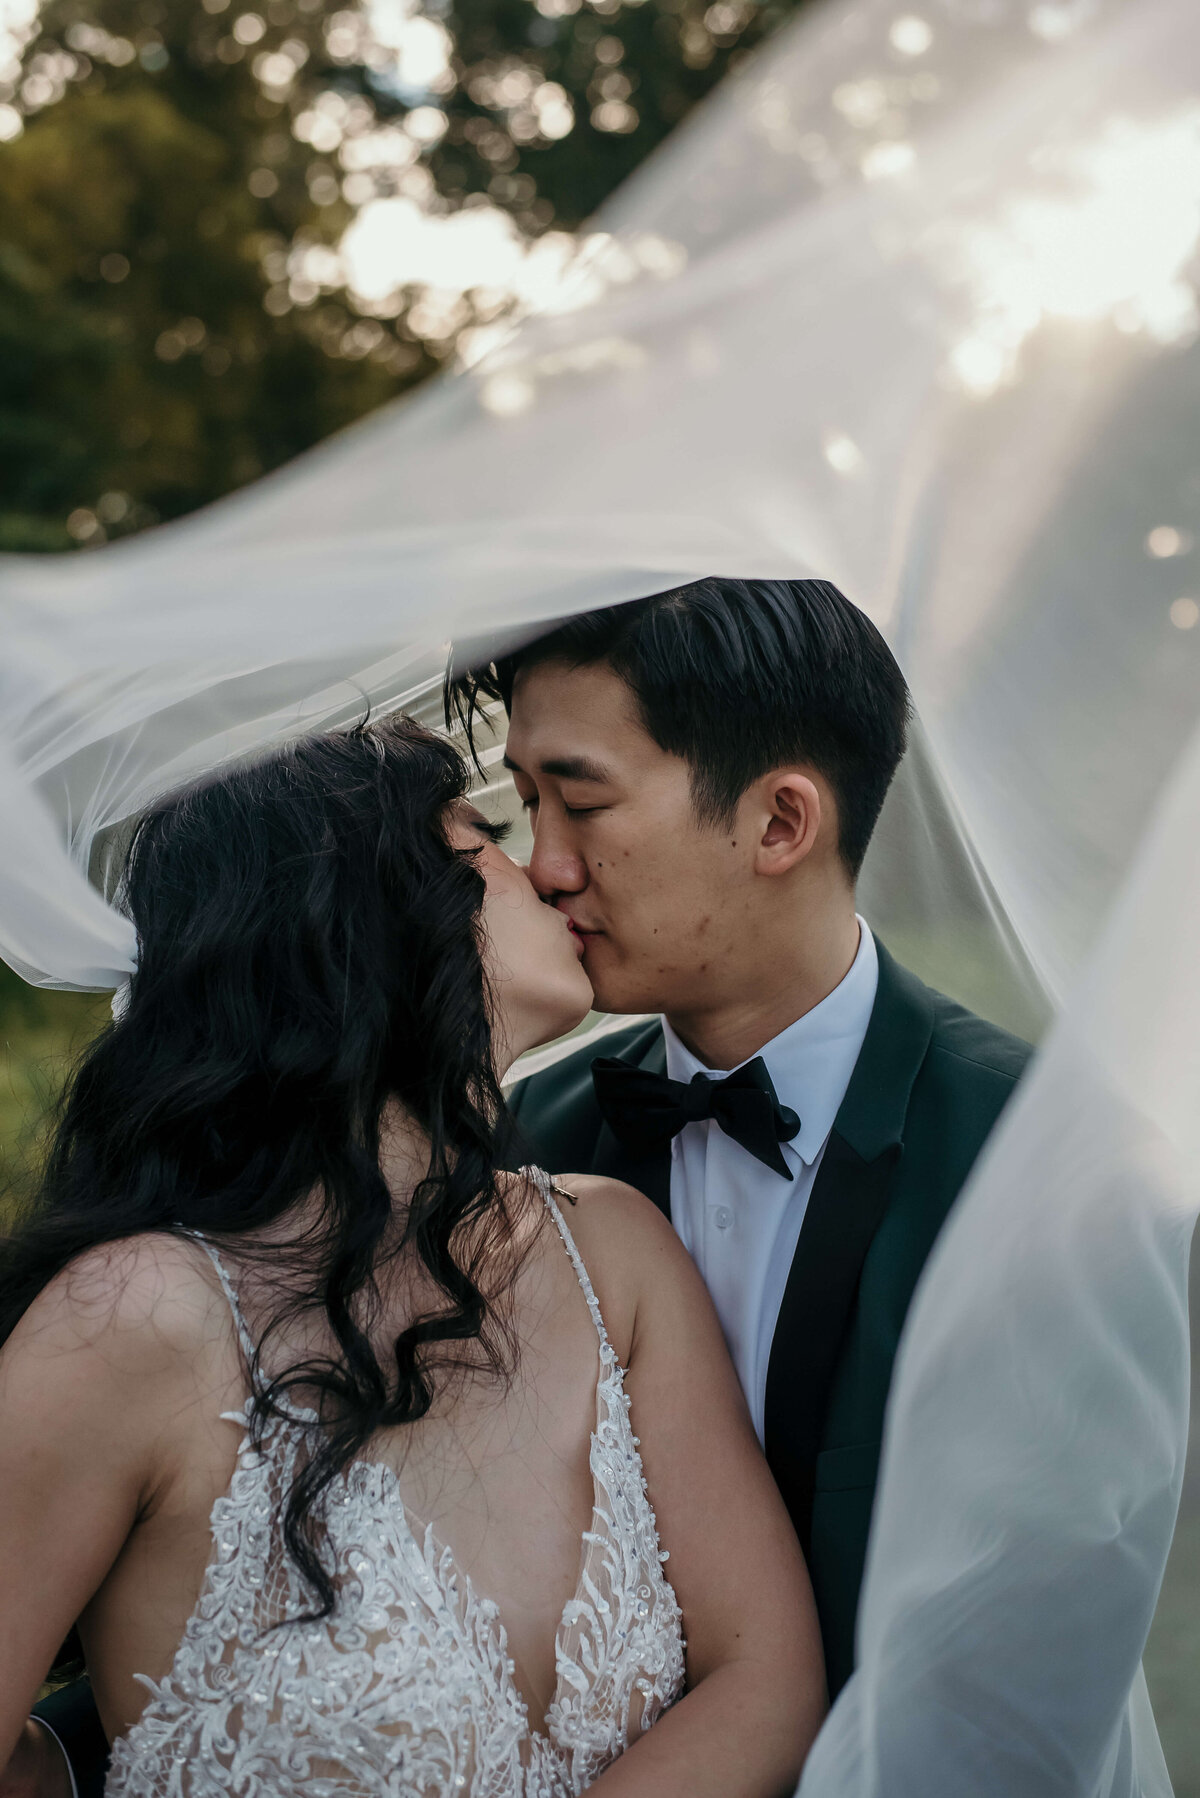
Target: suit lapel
[651, 1173]
[848, 1200]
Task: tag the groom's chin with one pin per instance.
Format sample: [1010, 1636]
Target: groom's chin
[615, 992]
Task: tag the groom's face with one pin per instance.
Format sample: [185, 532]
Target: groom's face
[660, 899]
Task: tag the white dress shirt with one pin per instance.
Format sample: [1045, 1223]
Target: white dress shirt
[738, 1219]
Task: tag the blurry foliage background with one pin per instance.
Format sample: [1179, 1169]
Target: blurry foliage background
[178, 181]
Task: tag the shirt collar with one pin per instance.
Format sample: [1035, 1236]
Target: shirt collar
[810, 1063]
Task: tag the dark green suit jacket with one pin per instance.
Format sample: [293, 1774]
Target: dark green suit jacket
[929, 1084]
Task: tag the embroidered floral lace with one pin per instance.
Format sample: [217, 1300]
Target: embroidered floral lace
[407, 1688]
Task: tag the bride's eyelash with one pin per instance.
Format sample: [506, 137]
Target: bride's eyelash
[496, 830]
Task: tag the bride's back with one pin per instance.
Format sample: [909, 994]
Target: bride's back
[499, 1467]
[499, 1607]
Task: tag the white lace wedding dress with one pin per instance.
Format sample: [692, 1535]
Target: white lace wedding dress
[407, 1688]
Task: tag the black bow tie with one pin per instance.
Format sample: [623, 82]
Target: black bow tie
[644, 1110]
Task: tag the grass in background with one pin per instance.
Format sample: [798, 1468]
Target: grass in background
[41, 1033]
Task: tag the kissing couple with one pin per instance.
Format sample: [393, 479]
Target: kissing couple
[379, 1433]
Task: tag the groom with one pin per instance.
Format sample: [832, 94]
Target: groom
[703, 770]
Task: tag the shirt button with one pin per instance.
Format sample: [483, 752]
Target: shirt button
[722, 1217]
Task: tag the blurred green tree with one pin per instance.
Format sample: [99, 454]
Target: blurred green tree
[175, 182]
[141, 373]
[556, 101]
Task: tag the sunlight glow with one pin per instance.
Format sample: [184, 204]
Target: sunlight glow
[910, 35]
[423, 47]
[1055, 22]
[507, 394]
[842, 453]
[1165, 541]
[403, 48]
[393, 244]
[887, 159]
[513, 390]
[18, 21]
[1108, 235]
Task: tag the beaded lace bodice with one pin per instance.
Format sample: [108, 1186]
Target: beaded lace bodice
[407, 1688]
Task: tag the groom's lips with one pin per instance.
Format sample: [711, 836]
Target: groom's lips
[581, 930]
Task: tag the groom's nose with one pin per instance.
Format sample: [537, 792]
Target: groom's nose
[555, 866]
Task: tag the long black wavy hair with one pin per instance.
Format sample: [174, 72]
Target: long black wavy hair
[310, 950]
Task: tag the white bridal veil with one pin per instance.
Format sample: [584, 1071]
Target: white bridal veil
[910, 304]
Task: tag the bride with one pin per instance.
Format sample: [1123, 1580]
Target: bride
[319, 1423]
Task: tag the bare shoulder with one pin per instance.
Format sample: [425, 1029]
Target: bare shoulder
[614, 1205]
[105, 1384]
[633, 1256]
[141, 1309]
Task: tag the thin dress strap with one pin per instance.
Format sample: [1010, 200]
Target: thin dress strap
[545, 1185]
[244, 1336]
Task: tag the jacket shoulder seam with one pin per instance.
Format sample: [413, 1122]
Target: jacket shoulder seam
[974, 1061]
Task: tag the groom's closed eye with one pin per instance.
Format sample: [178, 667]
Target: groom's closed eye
[572, 811]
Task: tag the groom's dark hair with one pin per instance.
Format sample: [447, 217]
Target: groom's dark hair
[737, 678]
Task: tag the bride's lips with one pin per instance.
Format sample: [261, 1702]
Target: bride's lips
[582, 937]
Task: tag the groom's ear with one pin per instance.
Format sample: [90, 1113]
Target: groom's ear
[787, 812]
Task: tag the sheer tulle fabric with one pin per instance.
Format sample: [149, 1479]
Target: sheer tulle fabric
[1035, 1444]
[909, 305]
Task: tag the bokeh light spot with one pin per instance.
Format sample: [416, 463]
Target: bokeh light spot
[842, 453]
[1164, 541]
[910, 35]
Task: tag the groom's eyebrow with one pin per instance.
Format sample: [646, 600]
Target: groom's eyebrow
[566, 767]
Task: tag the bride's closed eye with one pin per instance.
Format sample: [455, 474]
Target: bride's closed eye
[496, 830]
